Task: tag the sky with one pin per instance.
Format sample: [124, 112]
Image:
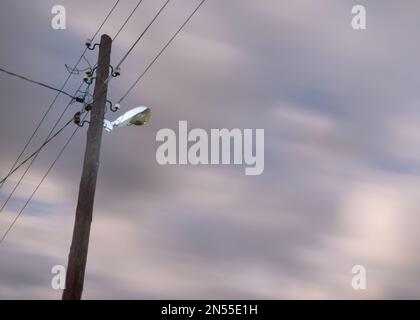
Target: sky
[339, 108]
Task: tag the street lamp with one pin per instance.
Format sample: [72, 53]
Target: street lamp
[137, 116]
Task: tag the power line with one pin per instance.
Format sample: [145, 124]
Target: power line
[75, 71]
[43, 118]
[58, 94]
[68, 141]
[12, 170]
[128, 19]
[48, 137]
[35, 155]
[143, 33]
[87, 61]
[34, 158]
[35, 152]
[42, 180]
[161, 52]
[106, 19]
[39, 184]
[35, 82]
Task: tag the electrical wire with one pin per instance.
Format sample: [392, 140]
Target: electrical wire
[58, 94]
[128, 19]
[35, 82]
[49, 135]
[35, 152]
[75, 71]
[74, 132]
[139, 38]
[142, 34]
[78, 71]
[106, 19]
[161, 52]
[39, 184]
[87, 61]
[38, 151]
[33, 158]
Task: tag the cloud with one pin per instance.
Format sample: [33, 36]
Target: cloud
[339, 109]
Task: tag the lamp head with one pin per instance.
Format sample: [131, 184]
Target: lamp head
[137, 116]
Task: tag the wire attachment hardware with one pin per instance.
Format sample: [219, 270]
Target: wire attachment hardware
[116, 73]
[88, 107]
[114, 108]
[88, 44]
[80, 99]
[78, 121]
[88, 80]
[89, 72]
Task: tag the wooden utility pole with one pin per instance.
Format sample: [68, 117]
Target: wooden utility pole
[80, 242]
